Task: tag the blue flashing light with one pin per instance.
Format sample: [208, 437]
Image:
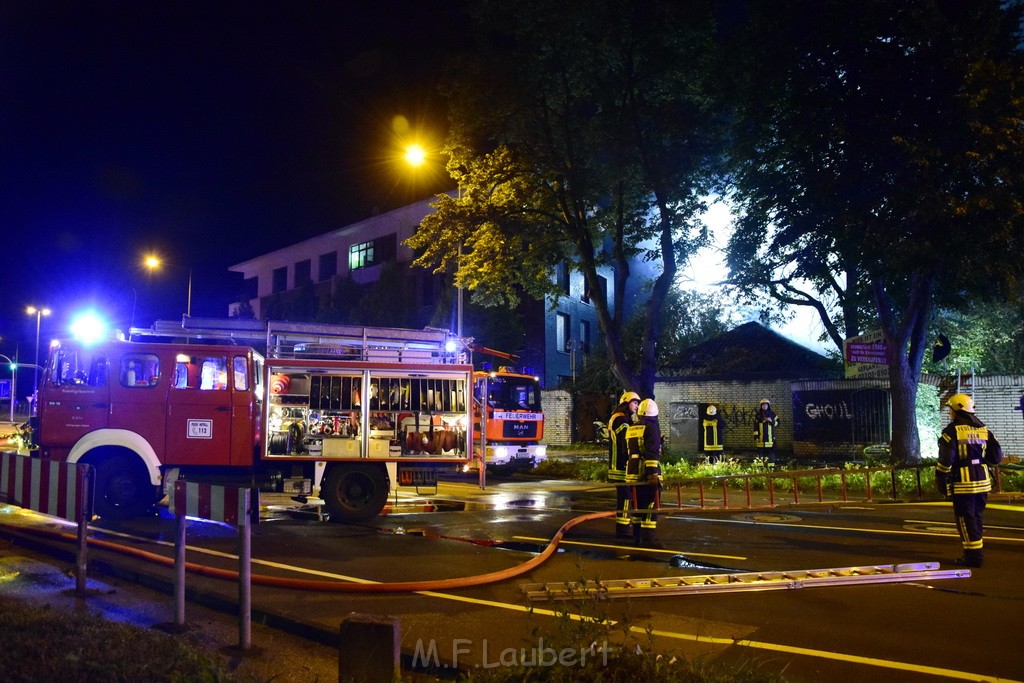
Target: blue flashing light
[89, 328]
[451, 345]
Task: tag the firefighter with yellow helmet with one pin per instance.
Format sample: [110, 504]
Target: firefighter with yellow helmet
[712, 432]
[643, 441]
[623, 416]
[967, 448]
[765, 423]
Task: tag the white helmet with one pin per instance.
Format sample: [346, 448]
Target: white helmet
[712, 411]
[648, 408]
[628, 396]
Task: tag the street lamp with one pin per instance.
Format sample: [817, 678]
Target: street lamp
[415, 156]
[154, 263]
[38, 312]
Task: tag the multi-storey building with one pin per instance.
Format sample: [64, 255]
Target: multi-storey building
[323, 279]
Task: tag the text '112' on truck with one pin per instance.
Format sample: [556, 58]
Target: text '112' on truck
[339, 412]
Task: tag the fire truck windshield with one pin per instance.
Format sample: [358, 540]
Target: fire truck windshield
[513, 393]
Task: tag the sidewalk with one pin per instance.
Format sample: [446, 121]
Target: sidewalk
[38, 579]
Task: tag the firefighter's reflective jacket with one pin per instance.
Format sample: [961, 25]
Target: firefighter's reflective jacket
[617, 452]
[965, 452]
[711, 432]
[643, 441]
[765, 423]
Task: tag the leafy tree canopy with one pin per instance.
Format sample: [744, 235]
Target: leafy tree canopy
[581, 133]
[878, 155]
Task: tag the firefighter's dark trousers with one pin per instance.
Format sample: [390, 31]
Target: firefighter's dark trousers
[969, 509]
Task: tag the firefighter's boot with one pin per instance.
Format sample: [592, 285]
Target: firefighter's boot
[971, 558]
[648, 540]
[623, 531]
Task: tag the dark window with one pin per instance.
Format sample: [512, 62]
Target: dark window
[427, 287]
[280, 281]
[602, 283]
[585, 336]
[562, 276]
[303, 273]
[328, 266]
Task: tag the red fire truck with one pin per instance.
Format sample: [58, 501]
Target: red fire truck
[338, 411]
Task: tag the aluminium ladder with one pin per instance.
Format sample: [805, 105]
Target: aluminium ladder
[740, 581]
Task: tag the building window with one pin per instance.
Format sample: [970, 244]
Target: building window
[585, 293]
[369, 253]
[585, 336]
[328, 266]
[303, 273]
[562, 334]
[562, 278]
[602, 283]
[427, 290]
[280, 280]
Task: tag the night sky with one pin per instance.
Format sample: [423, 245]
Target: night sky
[211, 132]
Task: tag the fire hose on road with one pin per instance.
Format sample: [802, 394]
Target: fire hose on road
[338, 586]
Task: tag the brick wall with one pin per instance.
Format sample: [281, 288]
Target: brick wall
[995, 398]
[737, 402]
[557, 416]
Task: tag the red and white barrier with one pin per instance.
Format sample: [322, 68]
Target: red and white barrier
[208, 501]
[47, 486]
[55, 488]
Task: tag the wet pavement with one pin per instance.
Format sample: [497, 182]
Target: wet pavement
[505, 526]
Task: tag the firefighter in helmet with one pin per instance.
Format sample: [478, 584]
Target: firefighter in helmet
[644, 468]
[712, 432]
[623, 416]
[765, 422]
[967, 448]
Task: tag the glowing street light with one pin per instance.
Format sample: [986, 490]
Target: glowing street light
[38, 312]
[155, 263]
[415, 156]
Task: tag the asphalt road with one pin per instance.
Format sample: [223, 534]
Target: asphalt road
[929, 629]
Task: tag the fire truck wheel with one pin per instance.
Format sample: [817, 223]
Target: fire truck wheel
[122, 488]
[354, 493]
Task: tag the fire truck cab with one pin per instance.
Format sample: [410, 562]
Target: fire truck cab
[514, 420]
[132, 410]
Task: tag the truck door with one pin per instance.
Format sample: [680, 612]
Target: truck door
[138, 396]
[246, 412]
[199, 410]
[74, 398]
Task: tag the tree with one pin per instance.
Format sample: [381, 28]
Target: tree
[688, 318]
[878, 158]
[984, 337]
[580, 133]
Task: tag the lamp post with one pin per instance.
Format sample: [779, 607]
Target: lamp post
[38, 312]
[14, 381]
[416, 156]
[155, 262]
